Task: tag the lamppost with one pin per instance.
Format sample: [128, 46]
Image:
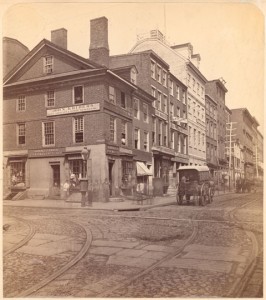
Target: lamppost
[84, 180]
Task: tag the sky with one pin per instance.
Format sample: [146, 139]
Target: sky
[229, 36]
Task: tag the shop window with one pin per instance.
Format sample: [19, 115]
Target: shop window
[78, 94]
[22, 134]
[48, 64]
[17, 172]
[21, 103]
[127, 168]
[48, 134]
[76, 172]
[78, 129]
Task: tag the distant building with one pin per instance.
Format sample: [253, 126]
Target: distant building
[184, 65]
[216, 90]
[247, 134]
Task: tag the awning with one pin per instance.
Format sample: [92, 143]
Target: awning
[142, 170]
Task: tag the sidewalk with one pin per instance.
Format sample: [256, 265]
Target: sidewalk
[113, 206]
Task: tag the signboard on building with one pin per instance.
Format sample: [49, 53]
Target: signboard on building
[73, 109]
[46, 152]
[110, 149]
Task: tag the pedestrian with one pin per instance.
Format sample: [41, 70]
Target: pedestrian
[66, 187]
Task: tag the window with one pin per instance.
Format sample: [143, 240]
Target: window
[145, 113]
[153, 92]
[202, 91]
[177, 93]
[189, 135]
[193, 84]
[207, 128]
[127, 168]
[195, 136]
[17, 172]
[165, 138]
[159, 74]
[171, 110]
[185, 145]
[188, 80]
[112, 129]
[198, 88]
[21, 103]
[133, 76]
[22, 134]
[48, 64]
[78, 129]
[136, 138]
[184, 96]
[171, 90]
[172, 140]
[165, 103]
[160, 133]
[123, 100]
[78, 94]
[146, 141]
[112, 97]
[48, 134]
[154, 131]
[136, 108]
[203, 139]
[123, 133]
[159, 100]
[50, 101]
[184, 114]
[164, 82]
[198, 137]
[178, 112]
[153, 69]
[178, 143]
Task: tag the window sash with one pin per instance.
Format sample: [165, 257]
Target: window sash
[78, 94]
[48, 64]
[50, 97]
[21, 106]
[49, 138]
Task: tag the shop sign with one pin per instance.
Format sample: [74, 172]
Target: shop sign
[73, 109]
[124, 150]
[160, 114]
[112, 149]
[46, 152]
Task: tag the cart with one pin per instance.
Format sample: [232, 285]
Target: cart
[195, 185]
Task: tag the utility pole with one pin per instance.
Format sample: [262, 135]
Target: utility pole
[230, 135]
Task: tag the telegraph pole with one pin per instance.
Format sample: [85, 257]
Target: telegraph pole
[230, 135]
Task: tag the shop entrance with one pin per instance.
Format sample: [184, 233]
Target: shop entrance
[56, 179]
[110, 167]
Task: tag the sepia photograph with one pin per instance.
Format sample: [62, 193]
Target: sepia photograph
[132, 150]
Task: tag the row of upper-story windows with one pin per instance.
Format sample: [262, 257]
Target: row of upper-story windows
[196, 110]
[158, 73]
[160, 133]
[77, 96]
[195, 85]
[196, 138]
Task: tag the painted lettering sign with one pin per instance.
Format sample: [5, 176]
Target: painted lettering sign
[46, 152]
[73, 109]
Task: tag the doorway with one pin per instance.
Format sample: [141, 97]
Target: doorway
[56, 179]
[110, 168]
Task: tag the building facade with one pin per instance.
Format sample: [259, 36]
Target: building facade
[211, 133]
[55, 104]
[169, 131]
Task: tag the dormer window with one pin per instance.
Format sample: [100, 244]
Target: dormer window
[48, 64]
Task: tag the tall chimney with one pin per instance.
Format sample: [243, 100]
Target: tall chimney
[59, 37]
[99, 48]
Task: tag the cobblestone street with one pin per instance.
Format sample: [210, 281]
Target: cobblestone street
[170, 251]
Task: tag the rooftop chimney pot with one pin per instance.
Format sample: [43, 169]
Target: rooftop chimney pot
[59, 37]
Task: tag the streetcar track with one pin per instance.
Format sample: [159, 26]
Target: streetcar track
[24, 241]
[63, 269]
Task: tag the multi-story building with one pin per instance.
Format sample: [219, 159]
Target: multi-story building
[169, 133]
[56, 103]
[211, 133]
[259, 156]
[245, 127]
[216, 90]
[184, 65]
